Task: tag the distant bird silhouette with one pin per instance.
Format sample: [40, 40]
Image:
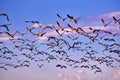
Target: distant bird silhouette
[59, 32]
[1, 42]
[32, 22]
[48, 27]
[1, 32]
[84, 66]
[72, 28]
[51, 57]
[116, 51]
[62, 19]
[3, 67]
[72, 37]
[5, 26]
[117, 21]
[3, 14]
[40, 66]
[72, 19]
[75, 67]
[20, 33]
[5, 57]
[105, 24]
[61, 66]
[92, 38]
[10, 35]
[97, 30]
[98, 70]
[59, 25]
[83, 60]
[80, 29]
[109, 39]
[32, 41]
[30, 29]
[39, 34]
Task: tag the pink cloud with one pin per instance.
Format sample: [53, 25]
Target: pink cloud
[6, 38]
[37, 25]
[80, 75]
[116, 76]
[106, 16]
[112, 29]
[110, 15]
[62, 76]
[42, 39]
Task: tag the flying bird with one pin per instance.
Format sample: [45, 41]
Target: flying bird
[32, 22]
[3, 67]
[39, 34]
[30, 29]
[10, 35]
[40, 66]
[1, 43]
[61, 66]
[117, 21]
[72, 19]
[83, 60]
[20, 33]
[48, 27]
[59, 25]
[62, 19]
[3, 14]
[105, 24]
[98, 70]
[72, 28]
[5, 26]
[109, 39]
[84, 66]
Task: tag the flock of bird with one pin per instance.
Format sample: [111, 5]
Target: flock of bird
[24, 48]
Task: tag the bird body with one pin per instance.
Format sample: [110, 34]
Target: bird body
[61, 66]
[117, 21]
[72, 19]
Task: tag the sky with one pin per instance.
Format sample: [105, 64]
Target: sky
[44, 11]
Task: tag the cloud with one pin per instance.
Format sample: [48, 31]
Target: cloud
[37, 25]
[110, 15]
[106, 16]
[96, 19]
[62, 76]
[116, 76]
[42, 39]
[6, 38]
[80, 75]
[112, 29]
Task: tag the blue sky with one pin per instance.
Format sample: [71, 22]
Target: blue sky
[45, 11]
